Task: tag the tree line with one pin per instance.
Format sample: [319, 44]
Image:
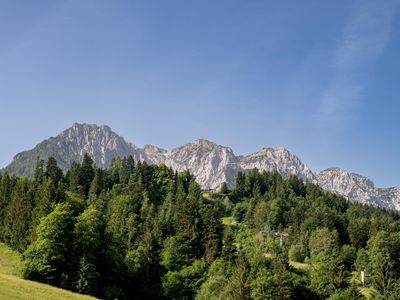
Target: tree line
[139, 231]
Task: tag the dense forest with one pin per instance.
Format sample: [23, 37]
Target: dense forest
[139, 231]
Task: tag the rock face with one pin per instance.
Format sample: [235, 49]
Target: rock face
[358, 188]
[154, 154]
[390, 198]
[212, 164]
[100, 142]
[277, 159]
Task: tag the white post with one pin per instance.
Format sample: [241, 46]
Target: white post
[362, 275]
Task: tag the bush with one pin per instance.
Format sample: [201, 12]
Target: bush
[350, 293]
[184, 283]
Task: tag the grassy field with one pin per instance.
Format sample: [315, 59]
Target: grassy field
[229, 221]
[300, 266]
[304, 267]
[10, 261]
[13, 287]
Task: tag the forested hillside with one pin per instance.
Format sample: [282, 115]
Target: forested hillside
[139, 231]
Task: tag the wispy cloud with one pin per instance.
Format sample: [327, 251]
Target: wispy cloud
[365, 37]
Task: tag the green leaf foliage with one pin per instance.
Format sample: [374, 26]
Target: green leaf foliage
[140, 231]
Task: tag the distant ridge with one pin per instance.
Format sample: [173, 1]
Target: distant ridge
[212, 164]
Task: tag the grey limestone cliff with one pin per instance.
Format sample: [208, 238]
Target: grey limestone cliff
[358, 188]
[210, 163]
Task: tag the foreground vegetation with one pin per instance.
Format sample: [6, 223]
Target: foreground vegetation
[138, 231]
[10, 261]
[13, 287]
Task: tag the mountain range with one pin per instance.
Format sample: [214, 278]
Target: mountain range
[212, 164]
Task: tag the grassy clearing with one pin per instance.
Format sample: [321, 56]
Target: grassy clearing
[229, 221]
[304, 267]
[13, 287]
[268, 255]
[207, 196]
[10, 261]
[300, 266]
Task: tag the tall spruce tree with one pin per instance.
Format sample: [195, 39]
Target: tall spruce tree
[86, 173]
[46, 198]
[18, 215]
[53, 171]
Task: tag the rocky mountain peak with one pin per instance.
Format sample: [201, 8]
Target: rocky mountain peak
[282, 150]
[280, 159]
[84, 127]
[83, 133]
[152, 148]
[356, 187]
[204, 142]
[210, 163]
[100, 142]
[204, 145]
[334, 176]
[154, 154]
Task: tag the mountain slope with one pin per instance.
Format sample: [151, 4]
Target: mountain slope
[13, 287]
[100, 142]
[358, 188]
[277, 159]
[212, 164]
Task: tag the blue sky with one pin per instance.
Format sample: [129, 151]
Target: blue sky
[320, 78]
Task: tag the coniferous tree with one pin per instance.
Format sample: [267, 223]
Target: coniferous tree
[167, 218]
[74, 174]
[98, 183]
[7, 184]
[116, 169]
[211, 231]
[86, 173]
[177, 252]
[18, 216]
[127, 168]
[53, 171]
[382, 262]
[148, 232]
[328, 274]
[46, 198]
[238, 287]
[188, 212]
[224, 188]
[39, 171]
[229, 251]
